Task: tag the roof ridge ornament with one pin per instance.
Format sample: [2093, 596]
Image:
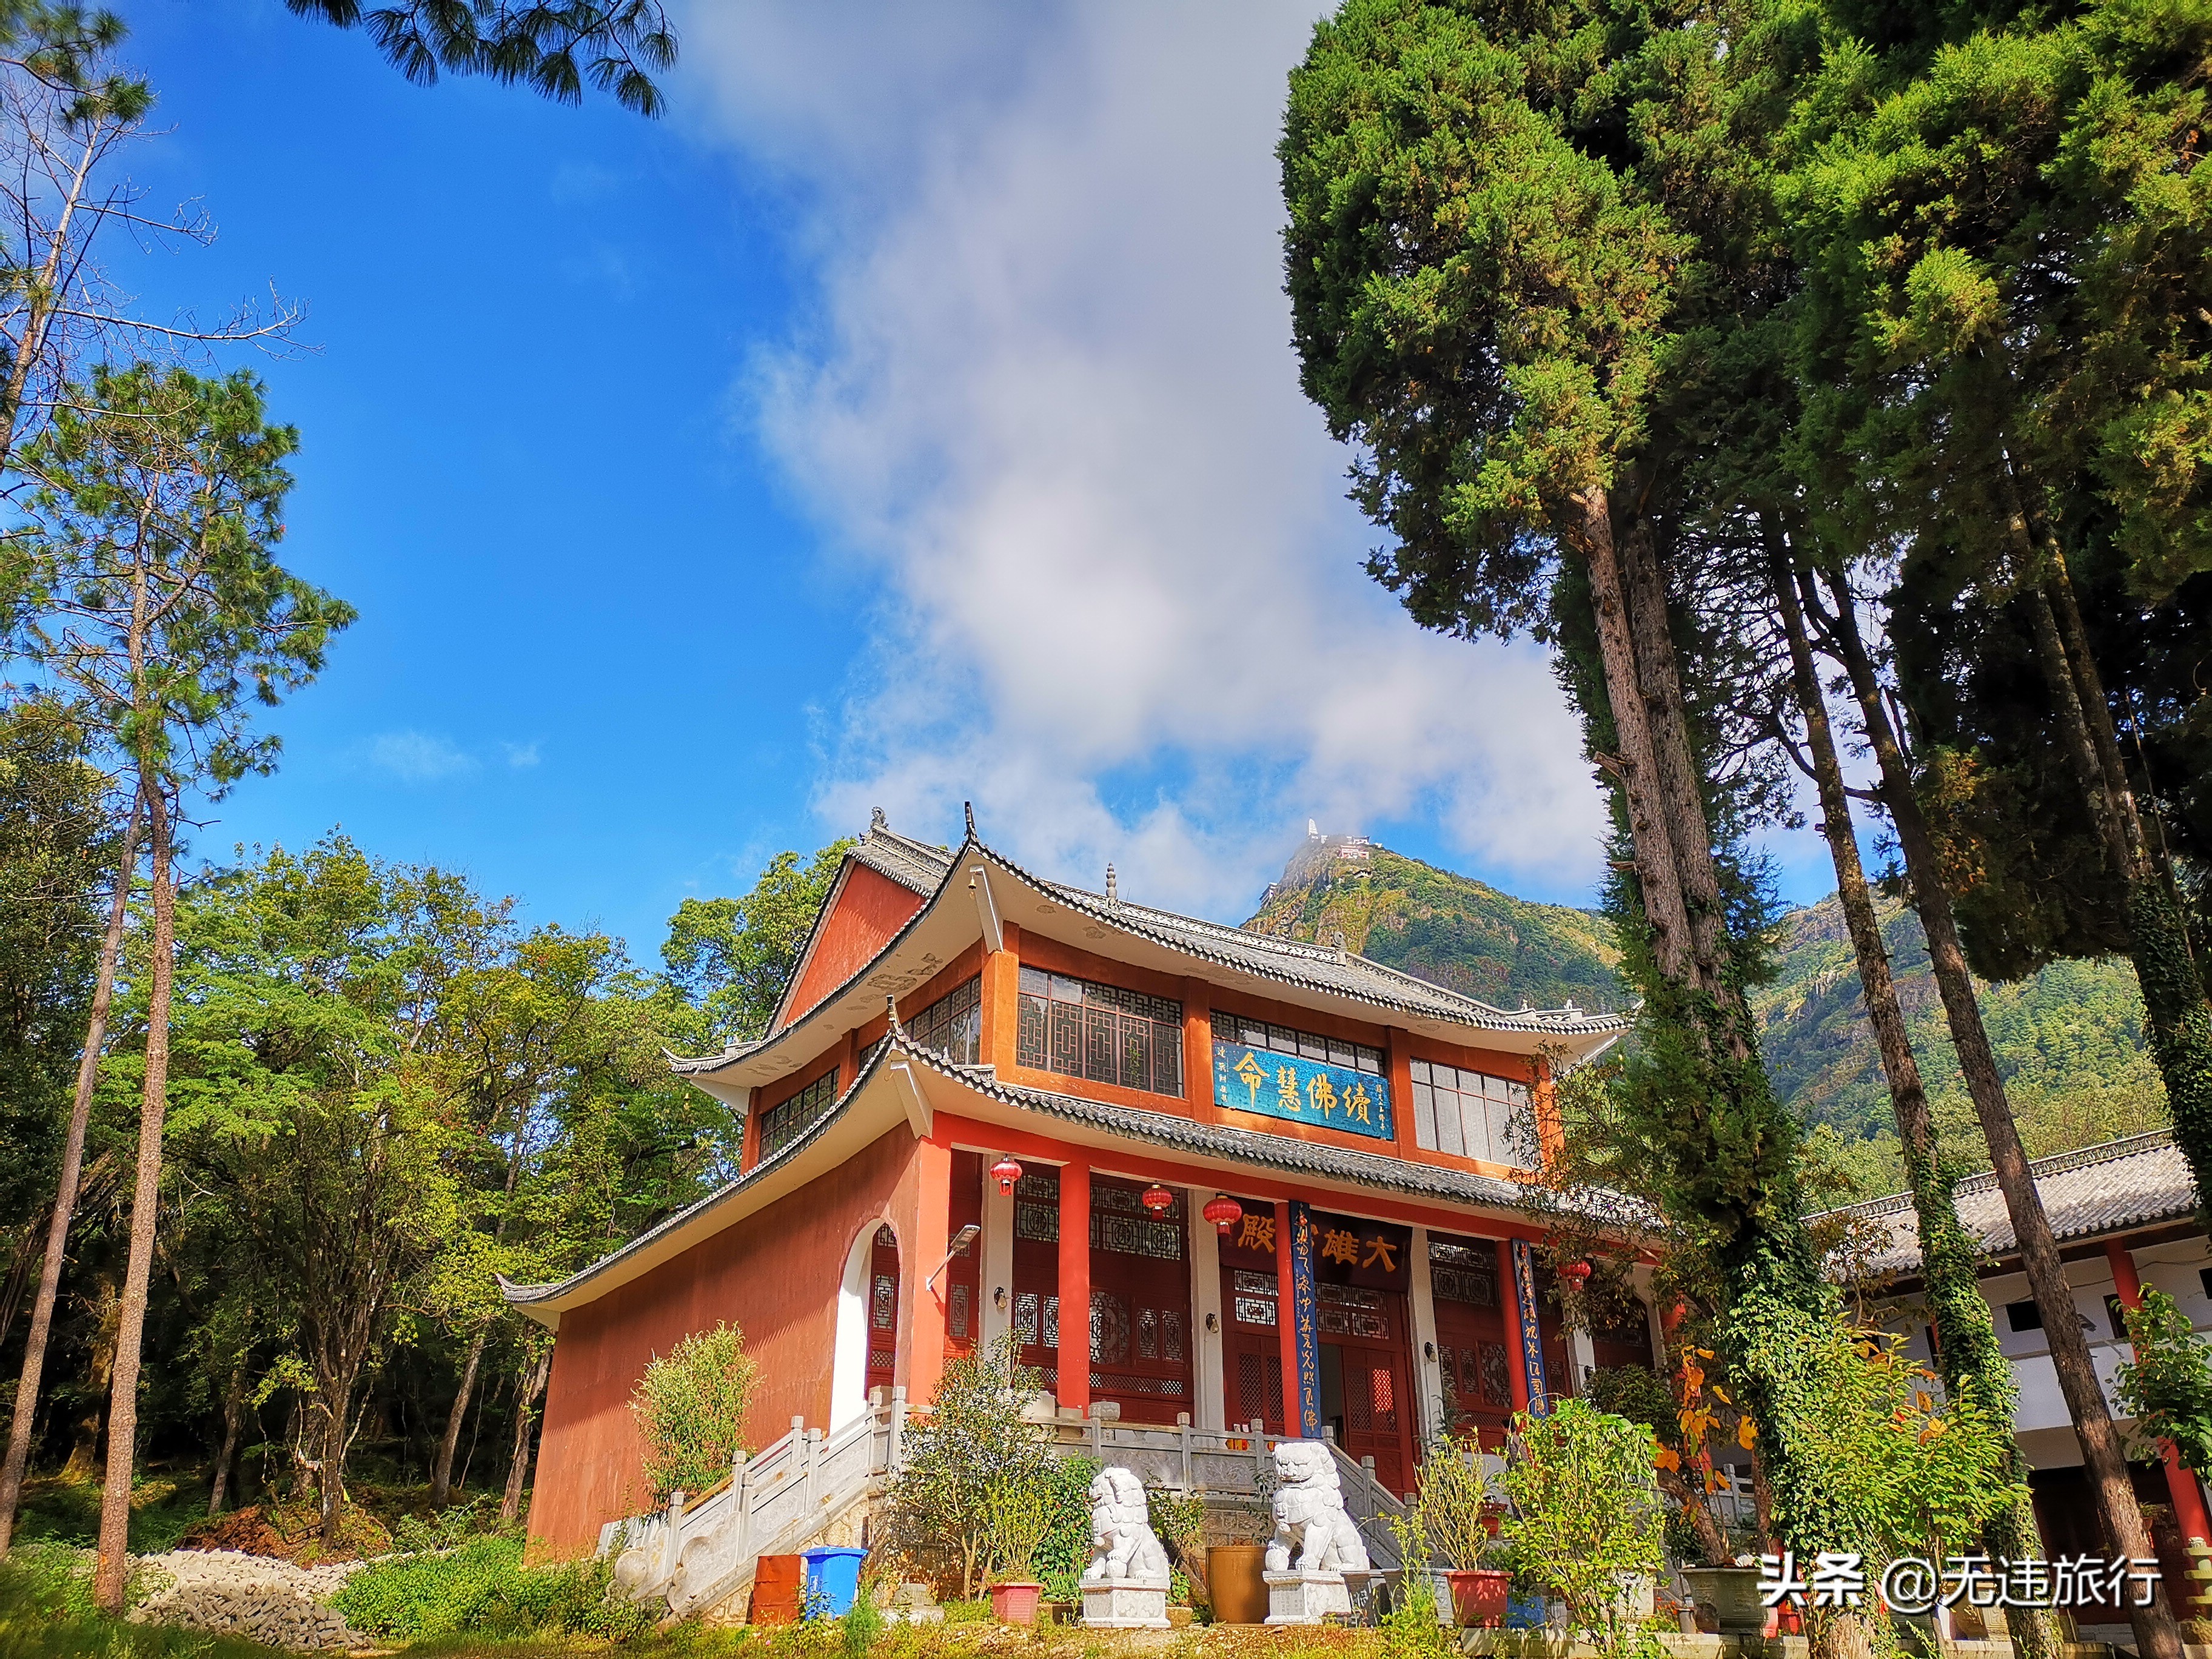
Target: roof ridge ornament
[968, 808]
[1113, 887]
[877, 820]
[890, 1009]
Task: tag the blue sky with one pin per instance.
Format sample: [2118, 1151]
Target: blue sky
[907, 418]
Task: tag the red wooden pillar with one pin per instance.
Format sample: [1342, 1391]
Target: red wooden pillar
[1516, 1373]
[1074, 1383]
[2180, 1484]
[926, 1242]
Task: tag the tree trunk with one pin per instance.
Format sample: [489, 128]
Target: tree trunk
[330, 1473]
[66, 1196]
[2156, 1635]
[526, 1407]
[112, 1566]
[1683, 798]
[99, 1371]
[233, 1413]
[1664, 910]
[2177, 1018]
[1966, 1351]
[442, 1471]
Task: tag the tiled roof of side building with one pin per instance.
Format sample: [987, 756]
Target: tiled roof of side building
[2118, 1186]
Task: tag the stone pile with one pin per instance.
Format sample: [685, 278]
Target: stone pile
[229, 1592]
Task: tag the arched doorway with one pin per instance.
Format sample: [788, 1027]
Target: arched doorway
[867, 1323]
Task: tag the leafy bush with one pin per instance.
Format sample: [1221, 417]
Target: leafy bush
[484, 1589]
[2168, 1387]
[1066, 1551]
[1913, 1474]
[973, 1438]
[479, 1517]
[1455, 1497]
[691, 1411]
[1585, 1512]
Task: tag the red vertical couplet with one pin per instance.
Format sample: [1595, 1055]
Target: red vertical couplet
[933, 1170]
[1075, 1285]
[2180, 1484]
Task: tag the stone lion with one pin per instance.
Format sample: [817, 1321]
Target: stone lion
[1123, 1546]
[1309, 1516]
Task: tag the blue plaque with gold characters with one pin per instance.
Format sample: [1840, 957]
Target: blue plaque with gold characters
[1248, 1079]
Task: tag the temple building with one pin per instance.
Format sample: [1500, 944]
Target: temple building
[1202, 1174]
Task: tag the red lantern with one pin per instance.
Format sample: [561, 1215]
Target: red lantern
[1223, 1211]
[1005, 1172]
[1157, 1199]
[1577, 1273]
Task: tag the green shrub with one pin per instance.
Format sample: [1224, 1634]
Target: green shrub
[691, 1411]
[1586, 1512]
[482, 1588]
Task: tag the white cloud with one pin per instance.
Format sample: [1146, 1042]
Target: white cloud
[418, 757]
[520, 754]
[1047, 390]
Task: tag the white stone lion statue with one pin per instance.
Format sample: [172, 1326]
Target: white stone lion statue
[1310, 1516]
[1123, 1547]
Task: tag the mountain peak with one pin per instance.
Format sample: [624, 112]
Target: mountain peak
[1451, 930]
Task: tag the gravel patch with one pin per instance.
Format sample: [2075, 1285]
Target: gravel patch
[226, 1592]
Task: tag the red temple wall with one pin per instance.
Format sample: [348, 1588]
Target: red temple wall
[870, 908]
[775, 1275]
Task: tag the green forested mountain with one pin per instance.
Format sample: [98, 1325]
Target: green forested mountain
[1448, 929]
[2070, 1038]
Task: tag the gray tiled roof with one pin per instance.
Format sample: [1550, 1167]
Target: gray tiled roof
[1268, 1152]
[922, 868]
[916, 865]
[1317, 966]
[2116, 1187]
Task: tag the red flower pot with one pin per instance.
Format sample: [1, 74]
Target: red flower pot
[1477, 1598]
[1015, 1603]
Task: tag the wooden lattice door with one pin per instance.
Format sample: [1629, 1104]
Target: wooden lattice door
[1141, 1339]
[1252, 1348]
[1471, 1343]
[883, 1308]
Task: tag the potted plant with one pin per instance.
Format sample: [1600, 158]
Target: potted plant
[1021, 1516]
[1454, 1512]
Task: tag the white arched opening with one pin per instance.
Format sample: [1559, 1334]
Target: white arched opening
[848, 1373]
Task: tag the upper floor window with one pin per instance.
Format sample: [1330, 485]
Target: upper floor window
[953, 1025]
[1302, 1045]
[1473, 1115]
[783, 1123]
[1100, 1032]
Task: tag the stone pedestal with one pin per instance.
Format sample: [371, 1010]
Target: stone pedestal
[1306, 1598]
[1125, 1604]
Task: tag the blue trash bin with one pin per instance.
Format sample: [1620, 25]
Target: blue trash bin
[833, 1581]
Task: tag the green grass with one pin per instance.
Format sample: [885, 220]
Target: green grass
[46, 1613]
[482, 1588]
[68, 1512]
